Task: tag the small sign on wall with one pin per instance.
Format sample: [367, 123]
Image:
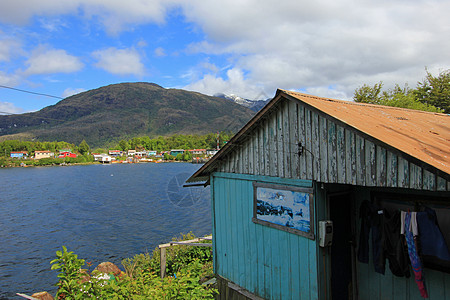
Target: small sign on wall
[287, 208]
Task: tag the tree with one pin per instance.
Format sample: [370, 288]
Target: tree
[123, 145]
[167, 156]
[100, 150]
[187, 156]
[146, 142]
[135, 143]
[83, 148]
[396, 97]
[435, 90]
[367, 94]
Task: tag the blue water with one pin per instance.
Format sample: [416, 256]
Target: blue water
[101, 212]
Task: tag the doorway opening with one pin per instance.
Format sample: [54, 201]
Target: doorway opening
[341, 249]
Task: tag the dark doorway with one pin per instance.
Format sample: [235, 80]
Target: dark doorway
[341, 252]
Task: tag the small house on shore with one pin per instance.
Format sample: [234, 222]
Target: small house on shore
[102, 157]
[304, 198]
[175, 152]
[66, 153]
[19, 154]
[115, 153]
[197, 151]
[43, 154]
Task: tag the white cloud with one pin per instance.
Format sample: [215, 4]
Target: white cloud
[115, 15]
[52, 25]
[322, 46]
[233, 83]
[8, 48]
[9, 108]
[120, 61]
[44, 60]
[19, 12]
[9, 79]
[142, 43]
[160, 52]
[328, 92]
[70, 92]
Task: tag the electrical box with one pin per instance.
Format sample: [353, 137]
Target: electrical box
[325, 233]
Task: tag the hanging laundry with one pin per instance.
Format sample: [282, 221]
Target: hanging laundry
[414, 256]
[394, 249]
[371, 220]
[432, 241]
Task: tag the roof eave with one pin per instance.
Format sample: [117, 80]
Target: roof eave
[204, 172]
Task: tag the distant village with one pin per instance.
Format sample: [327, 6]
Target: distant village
[130, 156]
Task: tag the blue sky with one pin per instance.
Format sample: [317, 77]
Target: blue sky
[243, 47]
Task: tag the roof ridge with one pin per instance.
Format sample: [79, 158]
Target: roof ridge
[350, 102]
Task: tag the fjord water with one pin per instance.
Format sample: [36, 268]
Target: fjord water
[101, 212]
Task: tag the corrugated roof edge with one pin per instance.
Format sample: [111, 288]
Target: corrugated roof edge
[348, 102]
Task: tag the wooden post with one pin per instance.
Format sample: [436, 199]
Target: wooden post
[163, 262]
[193, 242]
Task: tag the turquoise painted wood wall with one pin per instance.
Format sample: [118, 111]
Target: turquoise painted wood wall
[268, 262]
[373, 285]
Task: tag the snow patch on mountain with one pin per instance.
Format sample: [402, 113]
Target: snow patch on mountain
[254, 105]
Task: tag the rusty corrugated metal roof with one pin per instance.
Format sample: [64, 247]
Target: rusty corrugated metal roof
[423, 135]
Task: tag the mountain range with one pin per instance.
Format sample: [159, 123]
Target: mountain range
[108, 114]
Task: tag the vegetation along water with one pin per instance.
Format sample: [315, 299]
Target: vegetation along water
[100, 212]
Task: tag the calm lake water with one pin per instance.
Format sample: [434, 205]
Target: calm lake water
[101, 212]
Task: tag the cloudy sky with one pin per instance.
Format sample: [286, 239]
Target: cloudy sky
[243, 47]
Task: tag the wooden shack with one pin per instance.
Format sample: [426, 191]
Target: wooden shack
[304, 161]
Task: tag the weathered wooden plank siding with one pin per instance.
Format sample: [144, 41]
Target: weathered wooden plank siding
[293, 136]
[286, 146]
[381, 166]
[332, 153]
[392, 169]
[350, 159]
[315, 145]
[302, 139]
[272, 253]
[341, 155]
[323, 154]
[279, 140]
[308, 145]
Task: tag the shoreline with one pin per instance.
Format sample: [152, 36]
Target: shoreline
[90, 163]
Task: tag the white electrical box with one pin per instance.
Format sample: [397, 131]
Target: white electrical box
[325, 233]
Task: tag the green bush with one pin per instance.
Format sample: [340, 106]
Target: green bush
[189, 266]
[48, 161]
[176, 257]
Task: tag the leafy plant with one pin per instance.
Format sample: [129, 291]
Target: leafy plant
[138, 264]
[70, 276]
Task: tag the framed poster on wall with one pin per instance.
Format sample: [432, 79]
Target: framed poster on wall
[287, 208]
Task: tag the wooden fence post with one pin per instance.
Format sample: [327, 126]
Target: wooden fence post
[163, 262]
